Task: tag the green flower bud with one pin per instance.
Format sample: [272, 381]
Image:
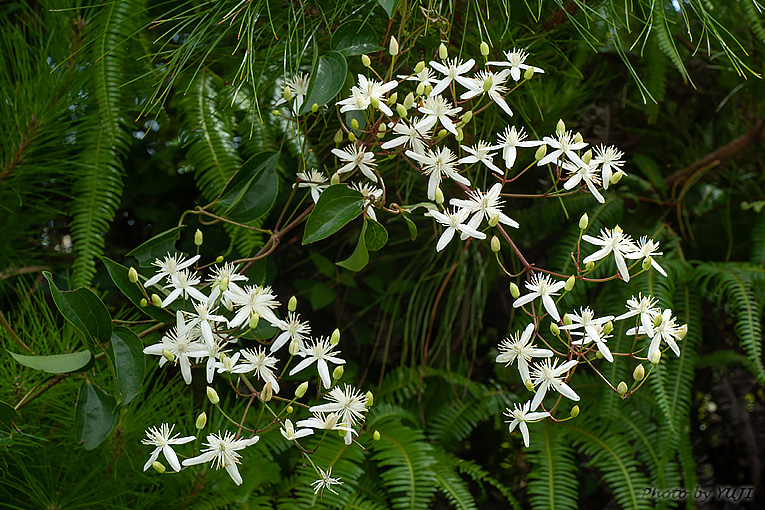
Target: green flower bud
[467, 117]
[622, 388]
[442, 133]
[212, 395]
[380, 135]
[494, 220]
[590, 265]
[460, 135]
[578, 138]
[639, 373]
[393, 46]
[598, 355]
[420, 89]
[495, 246]
[300, 390]
[335, 179]
[267, 394]
[351, 137]
[224, 283]
[584, 221]
[276, 113]
[338, 372]
[487, 83]
[569, 285]
[354, 124]
[657, 321]
[335, 338]
[201, 420]
[289, 409]
[370, 399]
[616, 177]
[338, 137]
[560, 127]
[382, 127]
[408, 100]
[528, 73]
[646, 263]
[420, 66]
[484, 48]
[287, 94]
[401, 110]
[428, 89]
[132, 275]
[529, 385]
[198, 238]
[439, 196]
[391, 100]
[514, 290]
[331, 421]
[366, 61]
[219, 259]
[169, 356]
[443, 52]
[655, 357]
[575, 411]
[567, 320]
[314, 107]
[254, 321]
[608, 327]
[541, 152]
[554, 329]
[682, 331]
[374, 102]
[294, 347]
[158, 467]
[144, 303]
[292, 304]
[587, 156]
[376, 435]
[156, 301]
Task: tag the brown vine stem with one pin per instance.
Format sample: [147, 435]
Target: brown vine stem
[37, 391]
[7, 327]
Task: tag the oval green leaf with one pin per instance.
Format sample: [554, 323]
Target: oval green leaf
[157, 247]
[354, 38]
[93, 416]
[360, 256]
[389, 6]
[253, 190]
[85, 311]
[327, 78]
[126, 352]
[56, 363]
[119, 275]
[376, 235]
[337, 206]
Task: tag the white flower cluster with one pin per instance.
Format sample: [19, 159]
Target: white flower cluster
[225, 313]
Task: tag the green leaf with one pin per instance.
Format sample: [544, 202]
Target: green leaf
[157, 247]
[337, 206]
[126, 352]
[119, 275]
[376, 236]
[651, 170]
[354, 38]
[57, 363]
[252, 191]
[360, 256]
[389, 6]
[93, 416]
[327, 78]
[7, 414]
[85, 311]
[411, 226]
[5, 439]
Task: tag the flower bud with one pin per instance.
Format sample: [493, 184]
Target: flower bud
[657, 321]
[376, 435]
[587, 156]
[144, 303]
[382, 127]
[682, 331]
[575, 411]
[335, 179]
[391, 100]
[590, 265]
[156, 300]
[608, 327]
[212, 395]
[408, 100]
[201, 420]
[335, 338]
[567, 320]
[460, 135]
[158, 467]
[219, 259]
[484, 48]
[393, 46]
[289, 409]
[428, 89]
[639, 373]
[560, 127]
[541, 152]
[169, 356]
[132, 275]
[495, 246]
[420, 66]
[338, 137]
[528, 73]
[300, 390]
[287, 94]
[468, 115]
[223, 285]
[554, 329]
[442, 133]
[439, 196]
[655, 357]
[366, 61]
[598, 355]
[514, 290]
[354, 124]
[401, 110]
[254, 321]
[198, 238]
[487, 83]
[338, 372]
[443, 52]
[616, 177]
[292, 304]
[646, 264]
[267, 394]
[314, 107]
[578, 138]
[493, 220]
[331, 421]
[275, 113]
[529, 385]
[351, 137]
[370, 399]
[294, 347]
[420, 89]
[569, 285]
[584, 221]
[374, 102]
[622, 388]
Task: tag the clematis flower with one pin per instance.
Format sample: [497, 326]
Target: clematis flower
[666, 330]
[252, 300]
[586, 320]
[563, 143]
[426, 77]
[610, 160]
[509, 140]
[374, 90]
[484, 205]
[289, 433]
[321, 352]
[542, 286]
[183, 284]
[454, 222]
[292, 329]
[298, 86]
[224, 278]
[169, 267]
[181, 342]
[260, 362]
[437, 164]
[349, 403]
[371, 194]
[325, 481]
[521, 416]
[357, 157]
[359, 101]
[452, 69]
[205, 318]
[521, 349]
[647, 248]
[408, 134]
[222, 453]
[481, 152]
[598, 335]
[548, 375]
[313, 180]
[493, 85]
[160, 437]
[645, 306]
[516, 61]
[587, 174]
[437, 110]
[612, 241]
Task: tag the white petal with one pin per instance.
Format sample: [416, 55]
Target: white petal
[234, 473]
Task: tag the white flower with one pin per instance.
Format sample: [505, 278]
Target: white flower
[646, 307]
[374, 91]
[522, 349]
[357, 157]
[182, 284]
[509, 139]
[212, 352]
[667, 330]
[426, 77]
[325, 482]
[612, 241]
[515, 60]
[289, 433]
[315, 181]
[496, 88]
[408, 134]
[587, 173]
[322, 421]
[204, 318]
[611, 159]
[586, 319]
[169, 267]
[544, 287]
[647, 248]
[160, 437]
[480, 152]
[437, 109]
[181, 342]
[437, 164]
[252, 300]
[563, 144]
[548, 375]
[260, 362]
[298, 85]
[226, 363]
[521, 416]
[349, 403]
[484, 205]
[359, 100]
[454, 222]
[319, 351]
[224, 278]
[221, 452]
[596, 334]
[371, 196]
[453, 70]
[292, 329]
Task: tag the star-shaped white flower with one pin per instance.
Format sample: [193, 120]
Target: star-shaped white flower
[612, 241]
[359, 101]
[509, 140]
[298, 86]
[323, 421]
[224, 278]
[436, 165]
[375, 90]
[645, 306]
[587, 174]
[183, 284]
[252, 300]
[522, 349]
[666, 330]
[160, 438]
[349, 403]
[321, 352]
[181, 342]
[484, 205]
[292, 330]
[521, 416]
[647, 248]
[481, 152]
[222, 453]
[356, 156]
[610, 160]
[169, 267]
[260, 362]
[563, 143]
[315, 181]
[596, 334]
[289, 432]
[371, 194]
[437, 110]
[454, 222]
[213, 353]
[325, 481]
[205, 318]
[425, 76]
[493, 84]
[542, 285]
[515, 60]
[586, 319]
[407, 134]
[548, 374]
[452, 69]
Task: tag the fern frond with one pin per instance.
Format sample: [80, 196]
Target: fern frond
[754, 18]
[660, 24]
[479, 474]
[449, 482]
[552, 480]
